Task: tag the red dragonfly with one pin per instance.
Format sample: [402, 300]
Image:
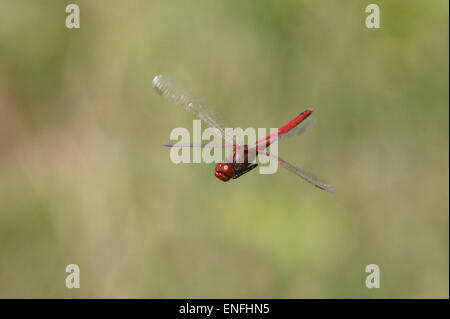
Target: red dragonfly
[240, 161]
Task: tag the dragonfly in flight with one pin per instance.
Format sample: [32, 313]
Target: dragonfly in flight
[241, 160]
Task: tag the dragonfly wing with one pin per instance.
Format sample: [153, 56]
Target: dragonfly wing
[297, 130]
[300, 129]
[310, 178]
[195, 145]
[187, 99]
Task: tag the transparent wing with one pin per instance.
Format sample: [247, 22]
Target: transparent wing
[310, 178]
[187, 99]
[300, 129]
[206, 145]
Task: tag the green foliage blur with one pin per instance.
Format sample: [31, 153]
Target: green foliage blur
[84, 178]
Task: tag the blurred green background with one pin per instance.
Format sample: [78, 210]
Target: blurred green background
[84, 179]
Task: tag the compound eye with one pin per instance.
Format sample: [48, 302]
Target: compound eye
[227, 169]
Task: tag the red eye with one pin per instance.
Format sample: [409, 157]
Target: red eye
[223, 172]
[226, 169]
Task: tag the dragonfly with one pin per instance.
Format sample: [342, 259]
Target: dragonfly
[241, 159]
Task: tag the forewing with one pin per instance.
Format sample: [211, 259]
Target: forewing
[310, 178]
[205, 145]
[187, 99]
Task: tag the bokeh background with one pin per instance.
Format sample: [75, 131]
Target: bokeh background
[84, 179]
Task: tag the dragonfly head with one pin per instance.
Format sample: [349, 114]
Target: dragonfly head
[224, 171]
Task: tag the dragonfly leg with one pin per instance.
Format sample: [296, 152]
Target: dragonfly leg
[246, 170]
